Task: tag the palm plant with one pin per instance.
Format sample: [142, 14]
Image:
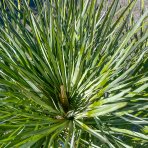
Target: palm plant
[73, 74]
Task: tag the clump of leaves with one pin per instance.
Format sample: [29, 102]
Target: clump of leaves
[72, 74]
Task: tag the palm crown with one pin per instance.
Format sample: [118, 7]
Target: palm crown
[72, 74]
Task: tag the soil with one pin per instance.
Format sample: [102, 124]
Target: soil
[137, 8]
